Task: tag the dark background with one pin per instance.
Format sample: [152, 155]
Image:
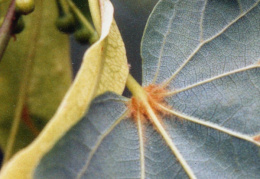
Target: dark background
[131, 17]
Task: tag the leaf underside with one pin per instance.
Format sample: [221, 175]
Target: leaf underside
[206, 53]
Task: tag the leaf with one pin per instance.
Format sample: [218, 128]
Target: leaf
[50, 74]
[103, 62]
[197, 115]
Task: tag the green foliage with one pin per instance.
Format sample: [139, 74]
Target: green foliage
[211, 86]
[82, 35]
[196, 114]
[66, 23]
[102, 63]
[49, 73]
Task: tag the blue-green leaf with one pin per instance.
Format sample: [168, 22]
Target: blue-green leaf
[92, 140]
[199, 115]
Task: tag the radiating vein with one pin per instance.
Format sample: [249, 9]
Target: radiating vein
[170, 143]
[101, 138]
[141, 136]
[212, 79]
[210, 125]
[201, 21]
[162, 48]
[205, 42]
[240, 6]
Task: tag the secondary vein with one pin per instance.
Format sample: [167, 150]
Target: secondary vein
[210, 125]
[205, 42]
[98, 143]
[211, 79]
[140, 133]
[170, 143]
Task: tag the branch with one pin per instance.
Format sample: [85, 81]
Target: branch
[7, 27]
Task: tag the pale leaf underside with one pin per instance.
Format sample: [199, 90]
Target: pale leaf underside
[206, 53]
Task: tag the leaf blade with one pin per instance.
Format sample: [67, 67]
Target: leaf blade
[85, 87]
[214, 151]
[103, 123]
[179, 51]
[235, 107]
[208, 84]
[191, 122]
[159, 160]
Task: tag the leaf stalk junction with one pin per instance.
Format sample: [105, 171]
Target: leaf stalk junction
[145, 105]
[148, 104]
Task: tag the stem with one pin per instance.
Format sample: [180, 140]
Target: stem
[28, 121]
[18, 110]
[29, 59]
[83, 20]
[6, 28]
[63, 7]
[17, 116]
[139, 92]
[135, 88]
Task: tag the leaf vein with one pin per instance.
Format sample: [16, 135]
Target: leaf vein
[201, 21]
[162, 48]
[176, 91]
[140, 133]
[207, 41]
[211, 125]
[101, 138]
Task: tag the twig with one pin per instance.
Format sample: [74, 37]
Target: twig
[7, 27]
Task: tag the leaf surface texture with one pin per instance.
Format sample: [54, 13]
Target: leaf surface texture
[206, 54]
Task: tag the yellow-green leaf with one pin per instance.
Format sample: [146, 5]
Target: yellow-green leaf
[47, 52]
[104, 68]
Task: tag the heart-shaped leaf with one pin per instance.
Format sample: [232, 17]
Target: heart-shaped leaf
[103, 62]
[196, 117]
